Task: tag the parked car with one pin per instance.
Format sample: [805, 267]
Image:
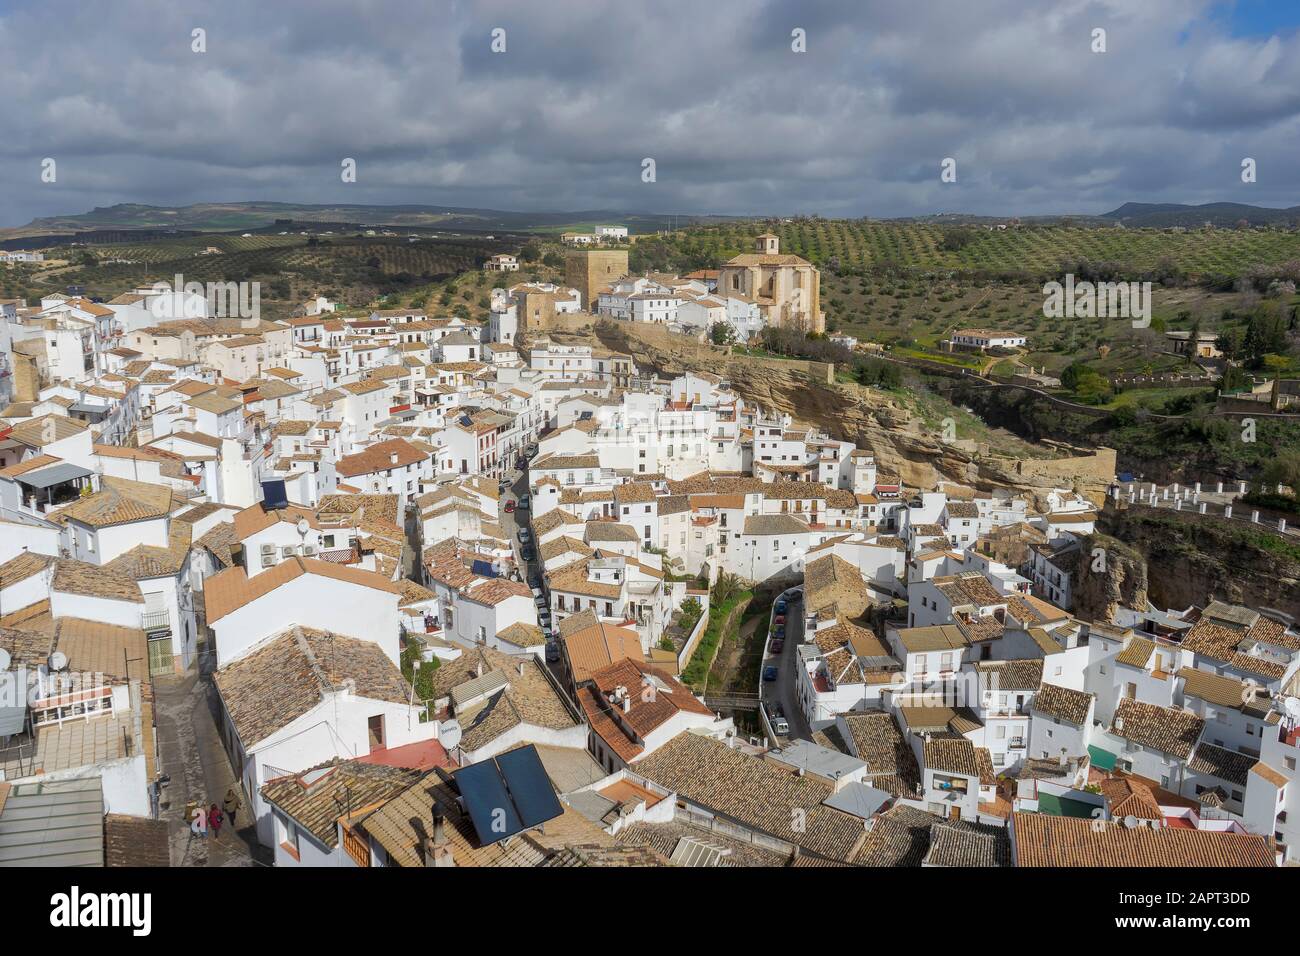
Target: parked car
[524, 501]
[769, 672]
[779, 631]
[780, 726]
[510, 507]
[779, 619]
[527, 553]
[780, 606]
[530, 451]
[778, 644]
[552, 653]
[524, 536]
[538, 598]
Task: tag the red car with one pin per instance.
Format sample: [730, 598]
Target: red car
[779, 619]
[510, 506]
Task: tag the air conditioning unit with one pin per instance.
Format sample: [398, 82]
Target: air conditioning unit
[287, 551]
[308, 550]
[268, 551]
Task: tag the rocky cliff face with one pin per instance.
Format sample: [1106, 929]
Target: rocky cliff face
[1192, 559]
[869, 418]
[1103, 581]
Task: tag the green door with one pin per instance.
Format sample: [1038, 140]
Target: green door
[160, 656]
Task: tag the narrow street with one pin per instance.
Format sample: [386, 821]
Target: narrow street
[786, 693]
[191, 753]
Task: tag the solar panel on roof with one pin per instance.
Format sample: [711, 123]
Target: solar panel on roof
[488, 802]
[274, 495]
[529, 786]
[507, 794]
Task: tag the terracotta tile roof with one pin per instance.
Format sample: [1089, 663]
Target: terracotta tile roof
[572, 579]
[135, 841]
[119, 501]
[591, 644]
[39, 432]
[654, 696]
[318, 797]
[1044, 840]
[968, 588]
[904, 836]
[757, 793]
[527, 698]
[257, 517]
[495, 590]
[289, 675]
[1136, 652]
[1127, 796]
[955, 756]
[1001, 676]
[231, 589]
[94, 647]
[78, 577]
[1166, 729]
[1063, 702]
[22, 567]
[379, 457]
[876, 739]
[1222, 763]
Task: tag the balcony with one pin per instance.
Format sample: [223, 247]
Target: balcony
[155, 622]
[1016, 743]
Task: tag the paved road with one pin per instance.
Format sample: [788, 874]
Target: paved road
[783, 690]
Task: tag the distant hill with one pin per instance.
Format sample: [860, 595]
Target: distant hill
[251, 216]
[1165, 215]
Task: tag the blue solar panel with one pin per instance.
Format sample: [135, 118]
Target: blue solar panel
[484, 568]
[508, 794]
[529, 786]
[490, 809]
[274, 495]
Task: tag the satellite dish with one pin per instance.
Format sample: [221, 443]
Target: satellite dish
[303, 526]
[58, 661]
[1131, 821]
[449, 734]
[4, 659]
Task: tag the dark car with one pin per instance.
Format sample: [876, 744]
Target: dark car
[527, 553]
[777, 645]
[769, 672]
[780, 606]
[552, 653]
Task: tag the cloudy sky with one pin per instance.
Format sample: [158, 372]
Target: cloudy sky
[736, 121]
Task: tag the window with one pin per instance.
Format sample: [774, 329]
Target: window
[375, 726]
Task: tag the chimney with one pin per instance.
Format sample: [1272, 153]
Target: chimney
[393, 458]
[478, 669]
[438, 852]
[627, 703]
[521, 668]
[1119, 723]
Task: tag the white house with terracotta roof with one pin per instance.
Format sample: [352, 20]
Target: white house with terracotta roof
[305, 696]
[244, 611]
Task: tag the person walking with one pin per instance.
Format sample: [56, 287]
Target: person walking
[231, 805]
[199, 824]
[214, 821]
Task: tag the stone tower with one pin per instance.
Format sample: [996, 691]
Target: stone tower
[590, 270]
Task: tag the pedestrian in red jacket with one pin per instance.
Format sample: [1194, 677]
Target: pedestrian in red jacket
[214, 821]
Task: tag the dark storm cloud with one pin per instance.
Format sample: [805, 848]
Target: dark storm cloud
[735, 121]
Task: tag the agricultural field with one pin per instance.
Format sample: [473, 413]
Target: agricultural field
[354, 270]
